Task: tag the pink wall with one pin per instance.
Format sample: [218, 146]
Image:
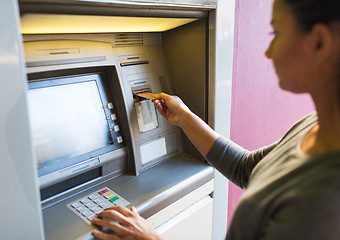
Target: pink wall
[261, 112]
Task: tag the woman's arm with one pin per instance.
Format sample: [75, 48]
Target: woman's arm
[176, 112]
[233, 161]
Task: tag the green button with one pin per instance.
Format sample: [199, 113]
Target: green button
[114, 199]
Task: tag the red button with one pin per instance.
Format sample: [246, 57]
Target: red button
[103, 191]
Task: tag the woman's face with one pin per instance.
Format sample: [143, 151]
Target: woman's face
[288, 50]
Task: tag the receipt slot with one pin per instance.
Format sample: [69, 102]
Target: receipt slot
[146, 115]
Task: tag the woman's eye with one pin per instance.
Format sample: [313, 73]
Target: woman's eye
[273, 33]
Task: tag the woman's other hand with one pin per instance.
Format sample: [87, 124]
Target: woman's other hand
[127, 224]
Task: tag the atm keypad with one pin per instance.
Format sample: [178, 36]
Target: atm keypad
[89, 206]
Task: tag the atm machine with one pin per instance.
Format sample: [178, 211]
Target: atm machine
[96, 143]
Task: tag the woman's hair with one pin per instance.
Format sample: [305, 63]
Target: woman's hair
[310, 12]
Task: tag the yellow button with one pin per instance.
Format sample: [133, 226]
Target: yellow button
[108, 195]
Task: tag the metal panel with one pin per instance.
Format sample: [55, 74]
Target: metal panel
[19, 202]
[186, 57]
[198, 215]
[180, 205]
[220, 82]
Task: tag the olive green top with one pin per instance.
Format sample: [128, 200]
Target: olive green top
[289, 195]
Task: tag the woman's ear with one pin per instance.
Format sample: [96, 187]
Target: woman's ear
[323, 42]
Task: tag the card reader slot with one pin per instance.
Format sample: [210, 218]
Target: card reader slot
[141, 90]
[136, 90]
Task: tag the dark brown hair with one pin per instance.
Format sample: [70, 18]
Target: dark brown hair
[310, 12]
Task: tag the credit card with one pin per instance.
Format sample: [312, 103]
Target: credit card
[147, 95]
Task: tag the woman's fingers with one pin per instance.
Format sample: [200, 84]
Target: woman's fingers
[160, 104]
[104, 236]
[116, 214]
[134, 210]
[121, 209]
[108, 223]
[126, 224]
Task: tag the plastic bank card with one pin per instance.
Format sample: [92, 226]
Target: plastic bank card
[147, 95]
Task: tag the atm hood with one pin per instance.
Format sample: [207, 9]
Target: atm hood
[62, 23]
[109, 16]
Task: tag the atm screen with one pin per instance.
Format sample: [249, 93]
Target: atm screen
[68, 121]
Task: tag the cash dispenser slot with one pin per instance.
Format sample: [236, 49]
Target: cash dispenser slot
[125, 64]
[131, 60]
[65, 61]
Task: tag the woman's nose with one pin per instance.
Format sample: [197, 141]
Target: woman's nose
[268, 52]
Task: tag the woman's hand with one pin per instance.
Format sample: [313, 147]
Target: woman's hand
[127, 224]
[171, 108]
[176, 112]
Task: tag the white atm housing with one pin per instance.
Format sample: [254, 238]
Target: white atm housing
[82, 62]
